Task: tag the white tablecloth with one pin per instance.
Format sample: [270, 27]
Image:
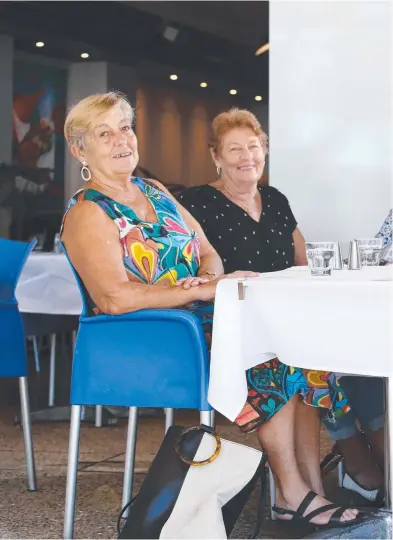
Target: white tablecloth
[47, 285]
[340, 323]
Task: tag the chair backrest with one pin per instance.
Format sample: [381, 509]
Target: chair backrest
[12, 336]
[149, 358]
[82, 289]
[13, 256]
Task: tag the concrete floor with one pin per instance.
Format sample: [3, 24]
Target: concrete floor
[40, 515]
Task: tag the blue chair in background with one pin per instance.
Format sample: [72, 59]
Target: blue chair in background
[13, 359]
[149, 358]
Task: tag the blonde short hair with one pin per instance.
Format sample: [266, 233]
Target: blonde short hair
[82, 116]
[232, 119]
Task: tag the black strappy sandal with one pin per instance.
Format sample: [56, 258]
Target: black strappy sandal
[298, 517]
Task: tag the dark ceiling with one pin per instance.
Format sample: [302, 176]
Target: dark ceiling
[216, 41]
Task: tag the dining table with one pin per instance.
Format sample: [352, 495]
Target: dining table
[340, 323]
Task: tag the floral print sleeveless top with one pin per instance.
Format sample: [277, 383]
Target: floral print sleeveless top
[161, 252]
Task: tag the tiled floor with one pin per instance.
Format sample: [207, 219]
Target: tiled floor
[40, 515]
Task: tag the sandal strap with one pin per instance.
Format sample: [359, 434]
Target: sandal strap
[321, 510]
[305, 504]
[283, 511]
[337, 515]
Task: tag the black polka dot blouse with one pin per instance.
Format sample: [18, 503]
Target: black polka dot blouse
[241, 242]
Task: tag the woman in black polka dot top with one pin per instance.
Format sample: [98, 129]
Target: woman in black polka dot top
[251, 226]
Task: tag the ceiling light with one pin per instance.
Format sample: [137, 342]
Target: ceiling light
[233, 92]
[39, 44]
[262, 49]
[258, 98]
[85, 55]
[203, 84]
[173, 77]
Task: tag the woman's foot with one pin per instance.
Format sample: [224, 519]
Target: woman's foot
[292, 499]
[359, 462]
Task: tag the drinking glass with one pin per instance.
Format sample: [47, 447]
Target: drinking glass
[370, 250]
[320, 257]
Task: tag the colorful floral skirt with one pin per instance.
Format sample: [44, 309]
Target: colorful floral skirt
[272, 384]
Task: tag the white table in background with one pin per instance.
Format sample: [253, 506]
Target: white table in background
[47, 285]
[341, 323]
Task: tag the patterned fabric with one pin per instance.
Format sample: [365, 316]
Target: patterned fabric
[163, 252]
[272, 384]
[154, 253]
[385, 233]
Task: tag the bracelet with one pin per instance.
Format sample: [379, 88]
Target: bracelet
[213, 274]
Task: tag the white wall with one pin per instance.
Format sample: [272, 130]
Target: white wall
[331, 114]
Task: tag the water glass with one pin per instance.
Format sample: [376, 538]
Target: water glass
[320, 257]
[370, 250]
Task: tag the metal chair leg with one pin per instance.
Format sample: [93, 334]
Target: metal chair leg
[169, 418]
[205, 417]
[129, 465]
[26, 425]
[340, 473]
[36, 354]
[272, 488]
[52, 370]
[72, 472]
[73, 340]
[213, 418]
[98, 422]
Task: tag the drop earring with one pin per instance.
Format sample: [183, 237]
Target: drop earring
[85, 172]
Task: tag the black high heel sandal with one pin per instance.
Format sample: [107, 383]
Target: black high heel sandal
[299, 519]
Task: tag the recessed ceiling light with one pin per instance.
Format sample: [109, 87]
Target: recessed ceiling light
[85, 55]
[233, 92]
[173, 77]
[203, 84]
[39, 44]
[258, 98]
[262, 49]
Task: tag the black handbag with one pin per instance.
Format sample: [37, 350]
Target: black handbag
[196, 487]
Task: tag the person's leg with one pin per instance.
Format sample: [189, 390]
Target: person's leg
[366, 396]
[277, 439]
[307, 445]
[352, 445]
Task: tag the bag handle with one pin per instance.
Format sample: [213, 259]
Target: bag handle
[194, 463]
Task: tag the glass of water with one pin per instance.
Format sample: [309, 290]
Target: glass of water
[370, 250]
[320, 257]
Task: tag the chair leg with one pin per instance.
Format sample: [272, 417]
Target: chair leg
[72, 472]
[73, 340]
[205, 417]
[36, 354]
[272, 488]
[52, 370]
[340, 473]
[26, 425]
[169, 418]
[213, 418]
[98, 422]
[129, 465]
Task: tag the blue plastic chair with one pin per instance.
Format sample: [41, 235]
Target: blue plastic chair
[149, 358]
[13, 359]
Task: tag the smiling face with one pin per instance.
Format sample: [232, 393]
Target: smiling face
[110, 146]
[240, 156]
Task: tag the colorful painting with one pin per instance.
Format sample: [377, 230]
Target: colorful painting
[38, 117]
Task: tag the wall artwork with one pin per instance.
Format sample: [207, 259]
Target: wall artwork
[39, 96]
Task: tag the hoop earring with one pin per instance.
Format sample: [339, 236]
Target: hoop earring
[218, 169]
[85, 172]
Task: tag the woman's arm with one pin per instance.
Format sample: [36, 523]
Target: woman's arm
[92, 243]
[300, 248]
